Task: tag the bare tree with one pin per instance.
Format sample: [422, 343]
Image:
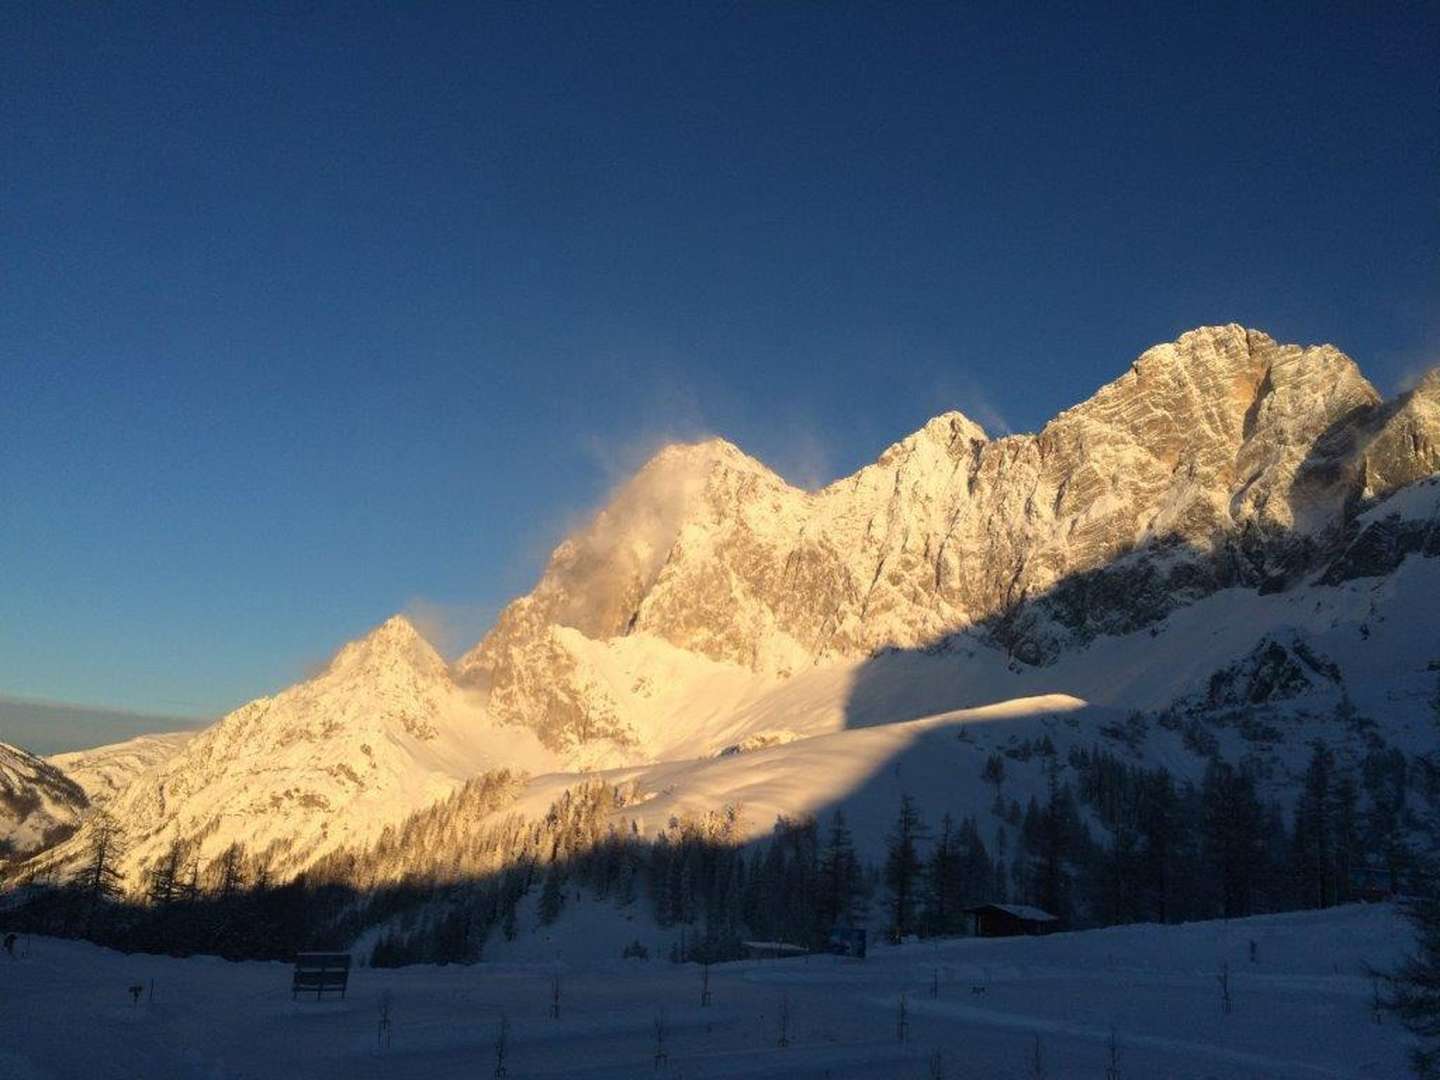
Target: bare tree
[662, 1032]
[230, 869]
[1224, 980]
[99, 879]
[502, 1046]
[1037, 1061]
[784, 1039]
[382, 1033]
[164, 876]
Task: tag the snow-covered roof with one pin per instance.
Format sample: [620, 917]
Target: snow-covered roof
[1020, 911]
[774, 946]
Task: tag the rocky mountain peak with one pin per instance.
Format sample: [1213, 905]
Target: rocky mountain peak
[953, 433]
[701, 455]
[1222, 458]
[394, 644]
[330, 760]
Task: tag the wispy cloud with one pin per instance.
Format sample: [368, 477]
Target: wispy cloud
[962, 390]
[51, 727]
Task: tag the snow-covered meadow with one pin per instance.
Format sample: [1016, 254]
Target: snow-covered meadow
[1301, 1007]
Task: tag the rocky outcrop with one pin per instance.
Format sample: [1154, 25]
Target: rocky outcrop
[1382, 539]
[1220, 459]
[1274, 671]
[39, 804]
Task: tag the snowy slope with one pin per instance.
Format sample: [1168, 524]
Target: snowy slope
[937, 760]
[105, 770]
[38, 803]
[1379, 630]
[1302, 1009]
[858, 735]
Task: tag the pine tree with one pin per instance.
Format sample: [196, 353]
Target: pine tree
[976, 870]
[625, 889]
[1160, 827]
[994, 773]
[1313, 846]
[1233, 841]
[902, 868]
[552, 895]
[944, 886]
[1053, 839]
[1345, 821]
[507, 922]
[999, 890]
[840, 881]
[1414, 990]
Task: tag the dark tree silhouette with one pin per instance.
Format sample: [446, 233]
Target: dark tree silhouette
[902, 868]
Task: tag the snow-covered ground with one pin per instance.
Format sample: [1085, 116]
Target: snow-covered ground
[1301, 1008]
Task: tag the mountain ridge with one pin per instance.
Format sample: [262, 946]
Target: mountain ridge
[712, 607]
[1244, 456]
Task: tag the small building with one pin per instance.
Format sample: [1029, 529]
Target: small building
[1010, 920]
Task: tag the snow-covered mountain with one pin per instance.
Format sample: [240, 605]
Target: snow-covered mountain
[1232, 527]
[1220, 461]
[104, 771]
[39, 805]
[331, 761]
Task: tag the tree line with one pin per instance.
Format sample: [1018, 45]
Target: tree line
[1110, 842]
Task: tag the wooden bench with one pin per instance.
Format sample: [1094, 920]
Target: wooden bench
[320, 972]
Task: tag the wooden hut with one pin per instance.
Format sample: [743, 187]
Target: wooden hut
[1010, 920]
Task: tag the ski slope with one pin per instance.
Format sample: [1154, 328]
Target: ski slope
[1301, 1008]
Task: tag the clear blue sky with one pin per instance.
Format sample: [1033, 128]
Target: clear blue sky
[313, 313]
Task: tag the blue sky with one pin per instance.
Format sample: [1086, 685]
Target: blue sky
[313, 313]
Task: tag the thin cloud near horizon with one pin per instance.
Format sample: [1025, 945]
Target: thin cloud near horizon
[47, 727]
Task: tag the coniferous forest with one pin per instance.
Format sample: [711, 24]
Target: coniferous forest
[1110, 843]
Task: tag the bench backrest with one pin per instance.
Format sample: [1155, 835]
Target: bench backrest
[320, 972]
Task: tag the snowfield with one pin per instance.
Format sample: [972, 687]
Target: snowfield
[1301, 1008]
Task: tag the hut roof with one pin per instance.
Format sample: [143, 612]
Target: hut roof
[1019, 911]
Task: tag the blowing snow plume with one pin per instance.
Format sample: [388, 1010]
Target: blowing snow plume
[598, 576]
[598, 585]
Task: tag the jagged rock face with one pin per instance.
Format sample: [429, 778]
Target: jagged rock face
[1275, 670]
[1220, 459]
[1381, 539]
[39, 804]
